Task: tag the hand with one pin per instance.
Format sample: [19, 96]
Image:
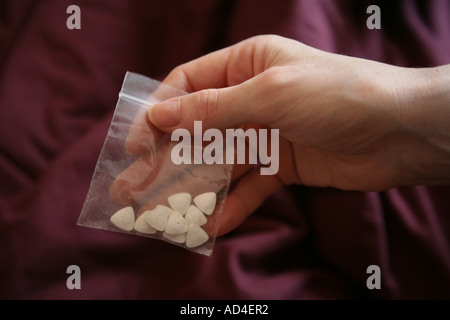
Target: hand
[344, 122]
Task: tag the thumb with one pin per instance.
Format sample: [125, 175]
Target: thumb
[216, 108]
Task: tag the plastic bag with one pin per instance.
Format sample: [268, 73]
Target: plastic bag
[137, 189]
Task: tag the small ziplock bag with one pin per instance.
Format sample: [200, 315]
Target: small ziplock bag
[140, 186]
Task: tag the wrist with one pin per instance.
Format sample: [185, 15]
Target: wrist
[423, 99]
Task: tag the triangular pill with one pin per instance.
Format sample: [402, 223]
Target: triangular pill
[123, 219]
[180, 202]
[206, 202]
[195, 236]
[142, 226]
[157, 218]
[178, 238]
[176, 224]
[194, 215]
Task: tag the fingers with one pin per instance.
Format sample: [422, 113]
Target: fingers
[228, 87]
[207, 106]
[205, 72]
[249, 102]
[223, 68]
[232, 65]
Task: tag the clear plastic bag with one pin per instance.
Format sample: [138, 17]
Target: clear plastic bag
[137, 189]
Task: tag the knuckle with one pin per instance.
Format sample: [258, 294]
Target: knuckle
[179, 78]
[279, 79]
[273, 75]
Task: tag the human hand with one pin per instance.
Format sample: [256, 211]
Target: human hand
[344, 122]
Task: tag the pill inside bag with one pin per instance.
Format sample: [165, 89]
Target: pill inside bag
[136, 188]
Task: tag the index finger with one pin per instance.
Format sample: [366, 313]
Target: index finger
[226, 67]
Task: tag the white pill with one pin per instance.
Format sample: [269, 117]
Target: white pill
[194, 215]
[157, 218]
[123, 219]
[176, 224]
[178, 238]
[142, 226]
[180, 202]
[206, 202]
[195, 236]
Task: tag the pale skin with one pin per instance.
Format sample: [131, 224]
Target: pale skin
[344, 122]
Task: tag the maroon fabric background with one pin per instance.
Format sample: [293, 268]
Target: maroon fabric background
[58, 89]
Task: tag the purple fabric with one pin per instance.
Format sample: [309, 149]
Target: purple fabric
[58, 89]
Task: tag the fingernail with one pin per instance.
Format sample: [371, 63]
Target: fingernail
[165, 114]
